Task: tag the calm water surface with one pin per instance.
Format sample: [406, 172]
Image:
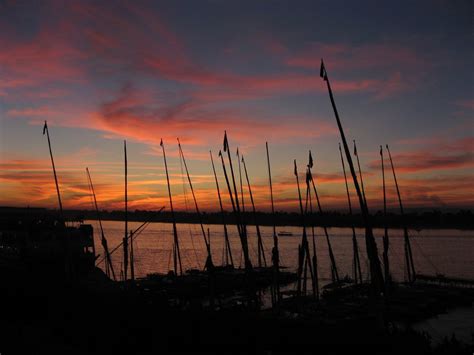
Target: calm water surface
[445, 251]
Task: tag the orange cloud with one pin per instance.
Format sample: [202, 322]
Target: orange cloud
[133, 115]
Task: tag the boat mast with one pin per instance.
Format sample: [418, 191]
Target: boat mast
[243, 230]
[227, 149]
[275, 252]
[408, 254]
[304, 247]
[45, 130]
[385, 235]
[108, 261]
[241, 185]
[176, 251]
[242, 201]
[125, 238]
[375, 270]
[261, 250]
[334, 272]
[209, 263]
[242, 236]
[360, 171]
[355, 247]
[67, 258]
[309, 202]
[228, 251]
[131, 253]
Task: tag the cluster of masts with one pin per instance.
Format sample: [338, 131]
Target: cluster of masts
[307, 259]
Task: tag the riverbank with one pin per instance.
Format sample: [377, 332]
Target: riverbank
[460, 219]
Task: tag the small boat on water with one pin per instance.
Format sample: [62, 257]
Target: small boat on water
[285, 234]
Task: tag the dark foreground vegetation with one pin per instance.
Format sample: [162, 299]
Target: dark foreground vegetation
[462, 219]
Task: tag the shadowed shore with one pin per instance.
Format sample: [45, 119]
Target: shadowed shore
[461, 219]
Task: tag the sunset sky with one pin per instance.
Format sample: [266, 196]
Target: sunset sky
[144, 70]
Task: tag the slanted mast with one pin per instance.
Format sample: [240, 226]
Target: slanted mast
[375, 269]
[228, 252]
[309, 211]
[176, 250]
[260, 248]
[275, 252]
[209, 264]
[360, 171]
[355, 248]
[303, 255]
[410, 266]
[125, 237]
[67, 257]
[385, 235]
[46, 131]
[236, 205]
[334, 271]
[109, 268]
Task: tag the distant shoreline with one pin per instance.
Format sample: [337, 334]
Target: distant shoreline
[462, 219]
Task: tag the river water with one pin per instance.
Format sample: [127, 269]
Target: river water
[446, 251]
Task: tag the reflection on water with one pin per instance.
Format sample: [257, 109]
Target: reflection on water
[444, 251]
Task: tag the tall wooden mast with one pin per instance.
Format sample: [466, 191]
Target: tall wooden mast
[45, 130]
[385, 235]
[360, 171]
[242, 200]
[355, 248]
[236, 205]
[109, 268]
[67, 256]
[375, 269]
[410, 266]
[176, 250]
[125, 237]
[309, 209]
[275, 252]
[209, 263]
[261, 250]
[242, 236]
[228, 252]
[334, 271]
[236, 195]
[304, 254]
[241, 184]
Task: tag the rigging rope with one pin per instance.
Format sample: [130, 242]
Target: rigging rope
[424, 255]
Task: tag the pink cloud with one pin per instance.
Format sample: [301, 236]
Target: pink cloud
[30, 112]
[444, 155]
[469, 104]
[348, 57]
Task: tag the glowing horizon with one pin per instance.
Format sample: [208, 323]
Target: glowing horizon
[142, 71]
